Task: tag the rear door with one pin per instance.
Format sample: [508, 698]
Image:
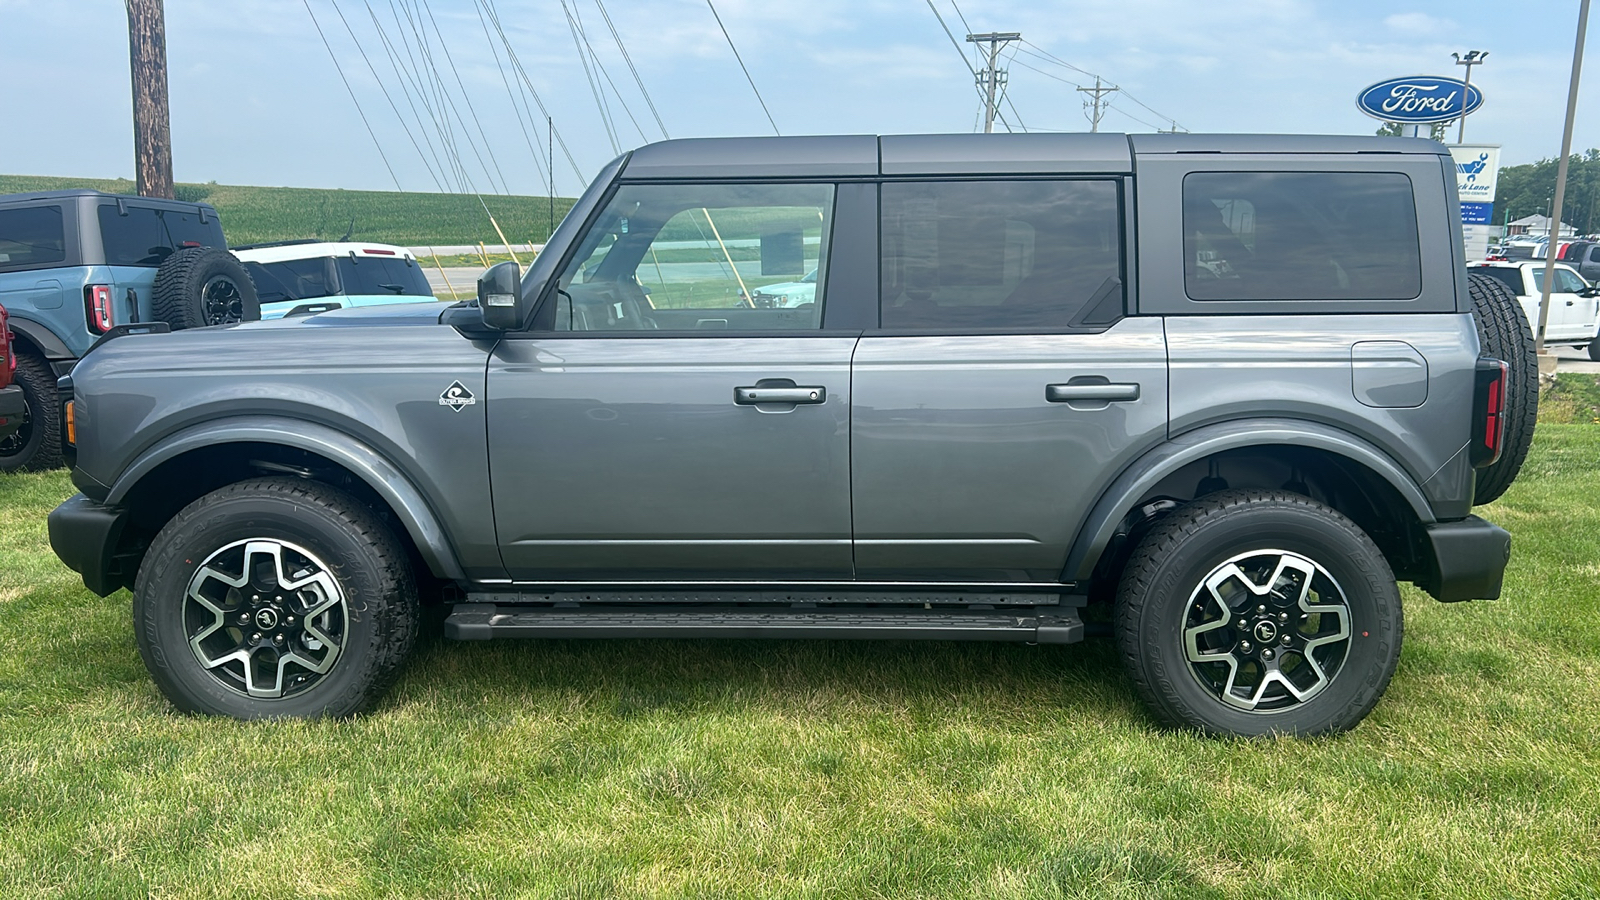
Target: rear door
[660, 422]
[1004, 386]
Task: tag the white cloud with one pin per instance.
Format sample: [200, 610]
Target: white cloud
[1418, 23]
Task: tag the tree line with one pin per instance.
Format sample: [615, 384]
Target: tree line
[1526, 189]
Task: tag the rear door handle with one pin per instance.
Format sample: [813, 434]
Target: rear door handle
[750, 396]
[1071, 393]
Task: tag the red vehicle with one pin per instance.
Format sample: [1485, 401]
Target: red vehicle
[12, 407]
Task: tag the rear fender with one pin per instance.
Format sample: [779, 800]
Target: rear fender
[1148, 471]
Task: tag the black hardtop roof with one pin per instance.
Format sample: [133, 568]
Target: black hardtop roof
[951, 154]
[30, 196]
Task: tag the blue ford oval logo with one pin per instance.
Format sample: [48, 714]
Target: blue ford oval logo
[1419, 99]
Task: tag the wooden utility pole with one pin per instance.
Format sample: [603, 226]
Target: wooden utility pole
[152, 130]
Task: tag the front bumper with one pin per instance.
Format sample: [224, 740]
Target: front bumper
[11, 409]
[85, 535]
[1470, 559]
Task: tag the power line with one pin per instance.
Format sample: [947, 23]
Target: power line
[512, 95]
[394, 64]
[516, 63]
[605, 115]
[397, 115]
[629, 60]
[488, 145]
[583, 33]
[1050, 57]
[353, 98]
[742, 66]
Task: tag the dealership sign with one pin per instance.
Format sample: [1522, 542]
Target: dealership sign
[1419, 99]
[1477, 171]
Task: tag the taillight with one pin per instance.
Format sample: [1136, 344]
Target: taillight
[97, 307]
[1488, 412]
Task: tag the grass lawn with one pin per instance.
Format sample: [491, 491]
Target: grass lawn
[718, 769]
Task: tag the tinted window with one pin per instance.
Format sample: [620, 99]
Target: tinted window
[295, 279]
[736, 257]
[1566, 282]
[1001, 255]
[1511, 278]
[1300, 236]
[31, 237]
[379, 276]
[147, 235]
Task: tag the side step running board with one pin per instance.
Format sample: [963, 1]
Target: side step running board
[482, 621]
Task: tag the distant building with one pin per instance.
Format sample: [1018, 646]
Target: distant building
[1537, 226]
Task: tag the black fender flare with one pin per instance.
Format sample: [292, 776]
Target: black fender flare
[407, 503]
[40, 336]
[1148, 470]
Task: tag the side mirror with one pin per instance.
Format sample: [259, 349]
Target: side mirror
[500, 297]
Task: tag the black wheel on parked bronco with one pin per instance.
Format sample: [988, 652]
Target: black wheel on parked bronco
[199, 286]
[1504, 333]
[1255, 612]
[276, 597]
[35, 446]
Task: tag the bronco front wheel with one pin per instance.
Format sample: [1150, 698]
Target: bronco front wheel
[275, 598]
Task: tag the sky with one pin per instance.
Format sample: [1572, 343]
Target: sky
[256, 97]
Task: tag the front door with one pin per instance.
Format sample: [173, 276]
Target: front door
[679, 413]
[1004, 388]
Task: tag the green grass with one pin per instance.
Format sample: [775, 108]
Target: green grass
[718, 769]
[282, 213]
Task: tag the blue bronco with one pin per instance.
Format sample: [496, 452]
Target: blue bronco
[76, 264]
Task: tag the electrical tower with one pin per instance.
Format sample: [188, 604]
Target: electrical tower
[1097, 103]
[152, 130]
[991, 80]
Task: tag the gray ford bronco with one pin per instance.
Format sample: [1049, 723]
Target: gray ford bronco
[1230, 388]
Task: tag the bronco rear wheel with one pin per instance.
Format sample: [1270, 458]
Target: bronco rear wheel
[275, 598]
[1251, 613]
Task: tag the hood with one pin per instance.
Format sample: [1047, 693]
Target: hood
[388, 314]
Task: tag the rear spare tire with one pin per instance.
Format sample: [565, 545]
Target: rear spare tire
[200, 286]
[1504, 333]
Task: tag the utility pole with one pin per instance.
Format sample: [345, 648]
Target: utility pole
[152, 128]
[1096, 105]
[991, 79]
[1556, 202]
[1473, 58]
[1175, 129]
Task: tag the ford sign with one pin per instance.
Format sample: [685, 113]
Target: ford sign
[1419, 99]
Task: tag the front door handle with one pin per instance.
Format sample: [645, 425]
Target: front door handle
[1072, 393]
[750, 396]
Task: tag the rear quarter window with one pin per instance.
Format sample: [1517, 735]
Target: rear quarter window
[31, 237]
[1300, 236]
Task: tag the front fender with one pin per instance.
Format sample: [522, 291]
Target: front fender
[1148, 471]
[407, 503]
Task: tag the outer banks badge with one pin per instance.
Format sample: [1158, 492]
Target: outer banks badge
[456, 396]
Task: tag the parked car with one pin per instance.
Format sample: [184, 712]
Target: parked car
[788, 294]
[12, 407]
[76, 264]
[1574, 319]
[299, 277]
[1584, 257]
[982, 423]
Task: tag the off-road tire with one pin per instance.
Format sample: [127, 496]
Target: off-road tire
[192, 289]
[1504, 334]
[364, 556]
[40, 448]
[1164, 575]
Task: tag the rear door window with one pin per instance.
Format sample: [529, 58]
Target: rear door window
[31, 237]
[145, 236]
[1000, 256]
[1300, 236]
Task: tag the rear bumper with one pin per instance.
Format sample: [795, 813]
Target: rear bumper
[1470, 559]
[84, 534]
[11, 407]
